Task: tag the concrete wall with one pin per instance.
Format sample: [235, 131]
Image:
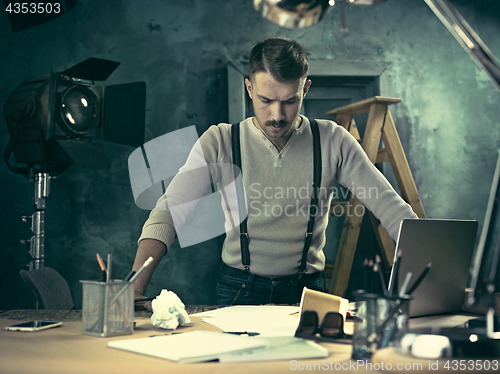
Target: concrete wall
[448, 120]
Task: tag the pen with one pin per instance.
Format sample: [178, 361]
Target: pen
[402, 292]
[242, 333]
[420, 278]
[394, 278]
[146, 263]
[110, 260]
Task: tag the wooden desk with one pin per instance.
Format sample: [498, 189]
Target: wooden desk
[65, 350]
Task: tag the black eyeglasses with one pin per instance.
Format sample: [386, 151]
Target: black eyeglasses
[332, 326]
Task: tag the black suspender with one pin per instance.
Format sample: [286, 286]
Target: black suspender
[313, 208]
[235, 145]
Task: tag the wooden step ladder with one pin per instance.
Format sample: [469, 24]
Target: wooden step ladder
[380, 125]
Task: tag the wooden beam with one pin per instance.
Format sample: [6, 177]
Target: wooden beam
[384, 241]
[400, 167]
[345, 253]
[373, 131]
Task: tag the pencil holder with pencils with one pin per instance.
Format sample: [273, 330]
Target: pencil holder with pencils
[378, 319]
[107, 308]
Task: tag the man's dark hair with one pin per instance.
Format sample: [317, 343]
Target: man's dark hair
[284, 59]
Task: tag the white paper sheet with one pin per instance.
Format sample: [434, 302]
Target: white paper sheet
[267, 320]
[194, 346]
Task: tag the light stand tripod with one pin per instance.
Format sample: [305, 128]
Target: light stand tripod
[37, 241]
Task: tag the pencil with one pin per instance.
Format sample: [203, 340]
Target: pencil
[365, 274]
[129, 276]
[370, 277]
[104, 273]
[394, 279]
[102, 266]
[381, 275]
[420, 278]
[375, 276]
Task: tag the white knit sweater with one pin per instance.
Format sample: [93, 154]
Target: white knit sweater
[278, 189]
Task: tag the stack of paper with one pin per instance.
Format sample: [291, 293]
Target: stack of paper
[281, 348]
[274, 327]
[199, 346]
[196, 346]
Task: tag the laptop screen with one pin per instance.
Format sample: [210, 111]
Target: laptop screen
[446, 244]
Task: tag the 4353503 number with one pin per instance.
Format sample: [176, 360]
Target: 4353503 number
[471, 365]
[34, 8]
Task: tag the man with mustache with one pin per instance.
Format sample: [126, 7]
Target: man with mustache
[269, 258]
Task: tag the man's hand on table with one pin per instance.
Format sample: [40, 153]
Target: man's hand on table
[142, 302]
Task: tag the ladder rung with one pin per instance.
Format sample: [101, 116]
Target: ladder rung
[363, 106]
[335, 204]
[382, 156]
[328, 270]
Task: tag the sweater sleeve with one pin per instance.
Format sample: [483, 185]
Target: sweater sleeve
[184, 191]
[357, 173]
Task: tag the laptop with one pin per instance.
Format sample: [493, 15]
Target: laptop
[449, 245]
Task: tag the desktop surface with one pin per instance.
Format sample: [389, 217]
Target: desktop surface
[65, 349]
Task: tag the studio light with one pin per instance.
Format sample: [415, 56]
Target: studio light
[364, 2]
[59, 118]
[292, 14]
[56, 119]
[298, 14]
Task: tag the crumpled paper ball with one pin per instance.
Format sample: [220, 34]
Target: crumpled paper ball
[168, 311]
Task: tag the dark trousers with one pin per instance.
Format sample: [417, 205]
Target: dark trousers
[237, 286]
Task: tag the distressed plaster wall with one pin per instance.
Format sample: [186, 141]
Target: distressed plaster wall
[448, 120]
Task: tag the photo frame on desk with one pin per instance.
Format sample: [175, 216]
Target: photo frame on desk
[322, 303]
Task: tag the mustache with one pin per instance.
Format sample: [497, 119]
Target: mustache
[281, 123]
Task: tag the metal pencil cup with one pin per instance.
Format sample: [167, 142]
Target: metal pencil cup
[380, 318]
[108, 308]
